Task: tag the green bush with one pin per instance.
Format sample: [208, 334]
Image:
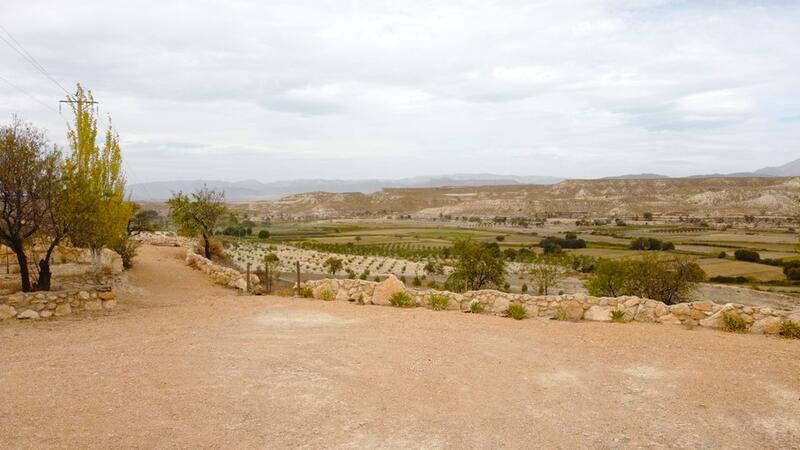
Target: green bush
[438, 302]
[326, 295]
[401, 300]
[476, 307]
[263, 234]
[733, 322]
[790, 330]
[516, 311]
[746, 255]
[617, 316]
[306, 292]
[360, 300]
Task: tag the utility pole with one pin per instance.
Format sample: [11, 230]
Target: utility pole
[297, 265]
[85, 102]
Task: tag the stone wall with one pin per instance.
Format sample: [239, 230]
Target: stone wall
[569, 307]
[43, 305]
[221, 275]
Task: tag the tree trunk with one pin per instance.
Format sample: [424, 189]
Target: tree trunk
[45, 275]
[207, 246]
[22, 260]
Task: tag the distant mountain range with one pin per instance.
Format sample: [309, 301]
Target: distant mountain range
[253, 189]
[256, 190]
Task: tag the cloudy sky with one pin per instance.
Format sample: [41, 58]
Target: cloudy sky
[277, 90]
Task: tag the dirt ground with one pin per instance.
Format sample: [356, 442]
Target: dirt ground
[184, 364]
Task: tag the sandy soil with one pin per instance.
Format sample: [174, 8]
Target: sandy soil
[184, 364]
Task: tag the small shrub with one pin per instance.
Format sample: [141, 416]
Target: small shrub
[401, 300]
[560, 292]
[617, 316]
[524, 289]
[438, 302]
[746, 255]
[306, 292]
[360, 299]
[722, 255]
[326, 295]
[733, 322]
[433, 285]
[417, 282]
[475, 307]
[790, 330]
[516, 311]
[561, 314]
[377, 279]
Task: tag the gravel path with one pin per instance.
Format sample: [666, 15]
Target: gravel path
[184, 364]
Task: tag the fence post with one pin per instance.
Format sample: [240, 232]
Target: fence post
[297, 266]
[248, 278]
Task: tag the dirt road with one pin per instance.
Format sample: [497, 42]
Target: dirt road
[184, 364]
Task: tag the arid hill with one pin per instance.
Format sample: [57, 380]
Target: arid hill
[711, 197]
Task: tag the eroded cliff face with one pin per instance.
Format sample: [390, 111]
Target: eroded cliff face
[708, 197]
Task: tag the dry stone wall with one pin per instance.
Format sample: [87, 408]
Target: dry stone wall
[44, 305]
[221, 275]
[574, 307]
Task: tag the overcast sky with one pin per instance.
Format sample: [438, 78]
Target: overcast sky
[385, 89]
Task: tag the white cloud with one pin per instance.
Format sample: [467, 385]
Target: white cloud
[374, 89]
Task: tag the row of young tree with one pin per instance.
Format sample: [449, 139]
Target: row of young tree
[50, 198]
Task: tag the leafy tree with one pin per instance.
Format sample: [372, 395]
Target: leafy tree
[478, 266]
[263, 234]
[746, 255]
[334, 265]
[30, 198]
[98, 212]
[198, 213]
[547, 271]
[666, 280]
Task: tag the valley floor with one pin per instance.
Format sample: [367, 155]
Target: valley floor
[183, 363]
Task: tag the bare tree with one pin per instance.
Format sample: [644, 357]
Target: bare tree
[30, 187]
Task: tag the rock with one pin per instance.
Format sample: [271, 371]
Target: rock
[768, 325]
[83, 295]
[573, 310]
[94, 305]
[795, 317]
[669, 319]
[681, 309]
[45, 314]
[107, 295]
[385, 289]
[28, 314]
[109, 304]
[63, 310]
[661, 309]
[715, 320]
[7, 312]
[645, 314]
[704, 305]
[598, 313]
[632, 302]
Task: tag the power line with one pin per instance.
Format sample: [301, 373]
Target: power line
[29, 58]
[31, 96]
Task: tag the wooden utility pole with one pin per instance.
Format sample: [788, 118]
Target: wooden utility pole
[248, 278]
[297, 266]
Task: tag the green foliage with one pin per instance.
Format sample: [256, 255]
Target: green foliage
[198, 214]
[561, 314]
[127, 249]
[478, 266]
[666, 280]
[553, 245]
[360, 299]
[722, 255]
[617, 316]
[746, 255]
[306, 292]
[333, 265]
[789, 329]
[524, 289]
[94, 181]
[401, 300]
[326, 294]
[733, 322]
[476, 307]
[263, 234]
[546, 271]
[516, 311]
[438, 302]
[417, 282]
[643, 243]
